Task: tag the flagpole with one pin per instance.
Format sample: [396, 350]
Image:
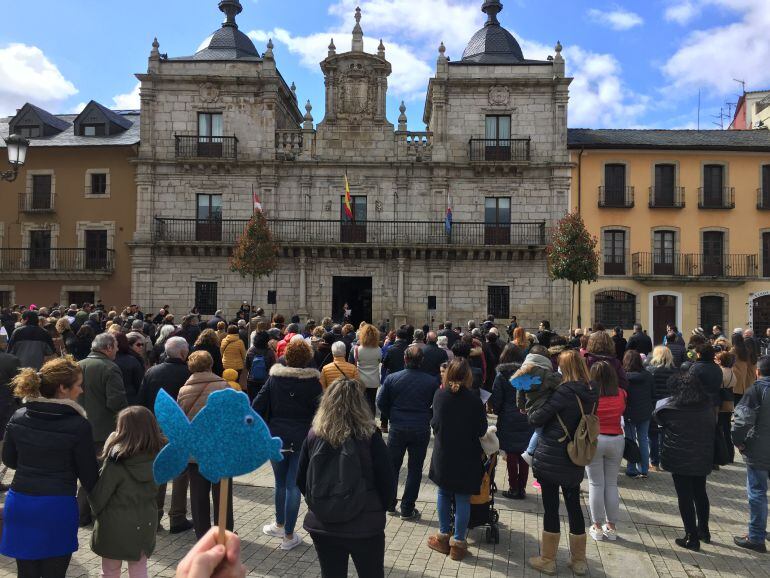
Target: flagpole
[253, 278]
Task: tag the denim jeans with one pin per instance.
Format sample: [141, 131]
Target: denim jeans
[533, 441]
[287, 496]
[756, 488]
[462, 512]
[639, 432]
[414, 441]
[654, 437]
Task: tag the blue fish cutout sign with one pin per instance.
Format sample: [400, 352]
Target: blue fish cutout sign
[227, 438]
[525, 381]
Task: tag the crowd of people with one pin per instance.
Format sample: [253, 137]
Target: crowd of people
[78, 388]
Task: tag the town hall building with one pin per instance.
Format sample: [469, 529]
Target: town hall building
[222, 125]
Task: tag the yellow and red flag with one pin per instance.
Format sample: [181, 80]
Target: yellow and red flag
[348, 204]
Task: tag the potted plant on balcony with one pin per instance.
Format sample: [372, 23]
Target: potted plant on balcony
[572, 255]
[255, 253]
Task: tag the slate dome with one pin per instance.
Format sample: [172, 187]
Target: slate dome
[228, 43]
[493, 44]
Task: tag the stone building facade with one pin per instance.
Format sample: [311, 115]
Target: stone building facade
[222, 126]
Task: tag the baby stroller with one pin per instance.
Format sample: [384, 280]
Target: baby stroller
[483, 511]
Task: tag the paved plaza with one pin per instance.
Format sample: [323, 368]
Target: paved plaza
[649, 523]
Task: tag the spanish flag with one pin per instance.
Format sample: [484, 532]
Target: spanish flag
[348, 205]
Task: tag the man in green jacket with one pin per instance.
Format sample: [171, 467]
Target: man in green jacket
[103, 398]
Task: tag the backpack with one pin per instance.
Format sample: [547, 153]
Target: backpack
[258, 370]
[336, 487]
[582, 446]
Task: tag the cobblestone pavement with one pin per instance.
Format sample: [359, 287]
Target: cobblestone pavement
[649, 523]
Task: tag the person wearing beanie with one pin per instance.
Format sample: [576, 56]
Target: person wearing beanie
[231, 377]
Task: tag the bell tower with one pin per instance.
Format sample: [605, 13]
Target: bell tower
[356, 86]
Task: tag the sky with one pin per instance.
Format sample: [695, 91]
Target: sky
[635, 63]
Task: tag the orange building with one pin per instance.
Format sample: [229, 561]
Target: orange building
[683, 223]
[66, 219]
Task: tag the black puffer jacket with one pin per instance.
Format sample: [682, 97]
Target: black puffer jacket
[381, 489]
[551, 463]
[50, 445]
[639, 404]
[133, 373]
[288, 401]
[661, 375]
[513, 429]
[688, 438]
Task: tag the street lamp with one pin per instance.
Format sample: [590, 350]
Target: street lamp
[17, 155]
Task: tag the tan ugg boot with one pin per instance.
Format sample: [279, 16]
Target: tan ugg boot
[577, 548]
[458, 549]
[439, 542]
[546, 562]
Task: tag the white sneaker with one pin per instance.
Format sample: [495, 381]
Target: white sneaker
[609, 533]
[291, 543]
[527, 457]
[596, 533]
[273, 530]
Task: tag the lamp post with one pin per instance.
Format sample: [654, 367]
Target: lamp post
[17, 155]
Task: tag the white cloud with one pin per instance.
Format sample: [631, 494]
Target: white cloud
[617, 19]
[78, 108]
[712, 58]
[26, 75]
[599, 97]
[410, 74]
[127, 101]
[682, 11]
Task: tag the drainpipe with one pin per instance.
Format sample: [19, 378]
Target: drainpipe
[579, 205]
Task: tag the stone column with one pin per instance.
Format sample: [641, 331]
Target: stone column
[400, 316]
[302, 311]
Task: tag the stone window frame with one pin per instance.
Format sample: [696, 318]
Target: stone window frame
[677, 237]
[626, 248]
[762, 232]
[12, 290]
[724, 230]
[483, 291]
[82, 226]
[625, 289]
[214, 278]
[33, 172]
[623, 162]
[87, 185]
[677, 172]
[725, 309]
[27, 227]
[726, 174]
[65, 289]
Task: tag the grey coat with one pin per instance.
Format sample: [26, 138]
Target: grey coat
[751, 425]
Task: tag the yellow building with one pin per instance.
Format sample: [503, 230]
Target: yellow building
[683, 224]
[66, 219]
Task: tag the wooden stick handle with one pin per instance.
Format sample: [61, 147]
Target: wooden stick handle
[224, 484]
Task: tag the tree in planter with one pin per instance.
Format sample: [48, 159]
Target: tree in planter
[572, 255]
[255, 254]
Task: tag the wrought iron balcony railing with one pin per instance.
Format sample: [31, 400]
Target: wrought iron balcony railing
[213, 147]
[616, 197]
[57, 260]
[500, 150]
[716, 198]
[37, 202]
[694, 265]
[380, 233]
[666, 197]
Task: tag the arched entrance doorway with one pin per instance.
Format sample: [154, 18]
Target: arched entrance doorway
[759, 312]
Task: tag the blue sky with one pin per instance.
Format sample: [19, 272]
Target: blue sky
[636, 63]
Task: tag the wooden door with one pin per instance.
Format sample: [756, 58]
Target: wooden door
[615, 185]
[664, 185]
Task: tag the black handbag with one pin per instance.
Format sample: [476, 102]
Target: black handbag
[631, 452]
